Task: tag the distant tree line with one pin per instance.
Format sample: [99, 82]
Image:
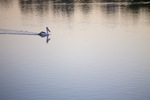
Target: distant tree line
[140, 0]
[123, 0]
[103, 0]
[83, 1]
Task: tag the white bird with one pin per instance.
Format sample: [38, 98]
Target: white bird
[44, 34]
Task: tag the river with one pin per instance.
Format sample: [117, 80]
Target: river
[97, 51]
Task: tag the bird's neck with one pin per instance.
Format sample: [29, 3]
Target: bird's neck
[46, 31]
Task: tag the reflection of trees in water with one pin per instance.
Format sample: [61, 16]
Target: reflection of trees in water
[132, 8]
[73, 1]
[30, 6]
[63, 9]
[63, 1]
[90, 1]
[139, 0]
[122, 0]
[85, 1]
[42, 7]
[109, 8]
[33, 1]
[5, 3]
[136, 8]
[66, 7]
[107, 0]
[136, 12]
[86, 8]
[132, 11]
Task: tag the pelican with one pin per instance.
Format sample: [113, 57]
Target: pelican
[44, 34]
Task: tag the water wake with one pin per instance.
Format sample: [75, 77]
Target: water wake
[16, 32]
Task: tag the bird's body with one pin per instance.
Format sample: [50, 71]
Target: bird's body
[44, 34]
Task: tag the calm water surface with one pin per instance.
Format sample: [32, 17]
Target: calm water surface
[97, 51]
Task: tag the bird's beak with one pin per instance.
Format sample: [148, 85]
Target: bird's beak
[48, 29]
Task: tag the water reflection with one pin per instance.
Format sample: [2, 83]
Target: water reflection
[136, 11]
[67, 7]
[136, 8]
[6, 3]
[63, 1]
[86, 8]
[63, 9]
[47, 39]
[85, 1]
[34, 1]
[32, 6]
[110, 9]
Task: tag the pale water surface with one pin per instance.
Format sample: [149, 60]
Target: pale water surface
[97, 51]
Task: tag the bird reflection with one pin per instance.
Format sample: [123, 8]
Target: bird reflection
[47, 39]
